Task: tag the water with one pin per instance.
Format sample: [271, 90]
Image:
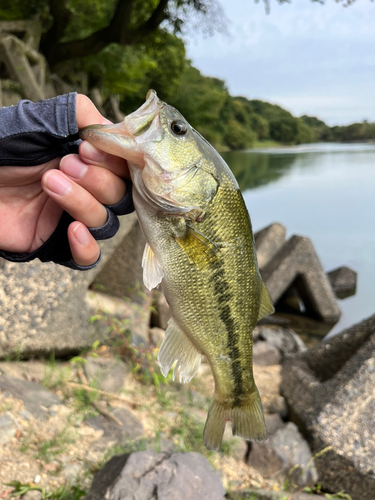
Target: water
[325, 192]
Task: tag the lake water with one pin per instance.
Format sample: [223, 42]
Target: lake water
[325, 192]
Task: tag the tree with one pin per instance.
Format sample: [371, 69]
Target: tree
[80, 28]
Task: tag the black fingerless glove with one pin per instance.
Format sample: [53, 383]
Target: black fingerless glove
[34, 133]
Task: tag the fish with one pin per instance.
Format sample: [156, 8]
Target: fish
[200, 248]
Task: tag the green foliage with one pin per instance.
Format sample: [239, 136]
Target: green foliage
[11, 10]
[200, 99]
[46, 449]
[284, 129]
[317, 489]
[15, 355]
[156, 58]
[187, 431]
[260, 126]
[55, 376]
[238, 136]
[157, 63]
[356, 132]
[88, 16]
[304, 133]
[61, 493]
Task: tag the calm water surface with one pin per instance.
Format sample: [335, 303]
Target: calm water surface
[325, 192]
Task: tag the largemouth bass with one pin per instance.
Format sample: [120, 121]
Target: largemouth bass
[200, 247]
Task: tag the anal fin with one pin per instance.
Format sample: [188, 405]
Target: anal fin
[152, 271]
[177, 347]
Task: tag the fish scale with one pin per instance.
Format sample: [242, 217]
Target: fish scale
[200, 247]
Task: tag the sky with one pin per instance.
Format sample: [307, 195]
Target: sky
[309, 58]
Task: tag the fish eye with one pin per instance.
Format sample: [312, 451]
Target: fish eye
[178, 127]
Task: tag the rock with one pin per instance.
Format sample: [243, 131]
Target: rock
[108, 373]
[132, 428]
[25, 414]
[270, 495]
[265, 355]
[134, 317]
[286, 341]
[149, 475]
[36, 398]
[32, 495]
[72, 472]
[268, 241]
[294, 451]
[277, 405]
[343, 281]
[237, 446]
[296, 264]
[330, 393]
[264, 459]
[267, 379]
[28, 370]
[162, 313]
[8, 428]
[273, 423]
[261, 456]
[122, 275]
[44, 308]
[287, 453]
[156, 336]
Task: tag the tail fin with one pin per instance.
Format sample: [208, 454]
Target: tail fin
[247, 422]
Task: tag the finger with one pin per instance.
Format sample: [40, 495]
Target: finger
[86, 112]
[74, 199]
[94, 156]
[84, 248]
[104, 185]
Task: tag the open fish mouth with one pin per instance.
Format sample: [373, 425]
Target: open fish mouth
[122, 139]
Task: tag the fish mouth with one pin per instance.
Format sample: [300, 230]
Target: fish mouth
[124, 139]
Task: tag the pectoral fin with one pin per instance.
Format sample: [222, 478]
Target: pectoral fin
[177, 347]
[266, 306]
[152, 271]
[197, 246]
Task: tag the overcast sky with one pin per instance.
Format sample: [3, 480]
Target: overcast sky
[309, 58]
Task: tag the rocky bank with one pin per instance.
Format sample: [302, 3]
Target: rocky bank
[106, 424]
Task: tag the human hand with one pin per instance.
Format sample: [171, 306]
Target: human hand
[32, 199]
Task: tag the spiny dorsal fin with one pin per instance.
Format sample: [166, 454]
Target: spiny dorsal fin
[152, 271]
[177, 347]
[266, 306]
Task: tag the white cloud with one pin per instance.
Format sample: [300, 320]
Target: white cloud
[310, 58]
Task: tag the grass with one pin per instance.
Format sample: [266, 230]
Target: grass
[65, 492]
[187, 432]
[46, 449]
[15, 355]
[55, 376]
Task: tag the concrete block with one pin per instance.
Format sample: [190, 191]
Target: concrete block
[268, 242]
[343, 281]
[330, 394]
[297, 264]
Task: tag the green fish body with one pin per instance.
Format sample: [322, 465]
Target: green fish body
[200, 247]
